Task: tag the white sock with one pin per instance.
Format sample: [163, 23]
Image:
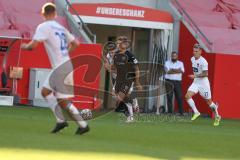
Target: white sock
[76, 115]
[192, 105]
[135, 102]
[214, 107]
[56, 109]
[130, 108]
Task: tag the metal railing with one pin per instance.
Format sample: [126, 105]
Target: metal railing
[82, 25]
[195, 27]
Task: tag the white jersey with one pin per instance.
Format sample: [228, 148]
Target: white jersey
[110, 59]
[111, 62]
[200, 85]
[198, 67]
[56, 39]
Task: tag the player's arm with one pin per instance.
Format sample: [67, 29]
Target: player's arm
[41, 34]
[30, 46]
[137, 78]
[137, 74]
[202, 75]
[73, 45]
[106, 62]
[204, 72]
[113, 68]
[109, 67]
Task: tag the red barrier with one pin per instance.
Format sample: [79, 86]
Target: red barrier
[227, 85]
[39, 59]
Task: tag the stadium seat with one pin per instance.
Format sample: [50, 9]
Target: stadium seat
[2, 21]
[196, 5]
[20, 22]
[224, 40]
[200, 18]
[23, 19]
[208, 16]
[218, 20]
[25, 6]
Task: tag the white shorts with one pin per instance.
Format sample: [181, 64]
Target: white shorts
[202, 87]
[61, 81]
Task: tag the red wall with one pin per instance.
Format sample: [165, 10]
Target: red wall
[39, 59]
[227, 85]
[223, 76]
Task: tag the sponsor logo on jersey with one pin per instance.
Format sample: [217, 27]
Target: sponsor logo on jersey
[195, 69]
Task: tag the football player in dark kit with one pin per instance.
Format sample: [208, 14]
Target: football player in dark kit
[126, 66]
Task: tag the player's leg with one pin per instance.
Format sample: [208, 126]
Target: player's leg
[114, 90]
[205, 92]
[63, 84]
[128, 88]
[53, 105]
[57, 111]
[120, 105]
[135, 101]
[135, 105]
[122, 89]
[47, 93]
[122, 108]
[122, 97]
[74, 113]
[119, 96]
[193, 89]
[214, 108]
[129, 103]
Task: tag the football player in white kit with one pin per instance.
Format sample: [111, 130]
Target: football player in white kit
[200, 84]
[58, 43]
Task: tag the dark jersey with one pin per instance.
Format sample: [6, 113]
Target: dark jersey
[125, 65]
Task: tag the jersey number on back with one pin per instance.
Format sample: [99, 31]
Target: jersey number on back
[63, 41]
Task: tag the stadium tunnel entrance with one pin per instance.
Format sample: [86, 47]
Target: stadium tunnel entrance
[150, 31]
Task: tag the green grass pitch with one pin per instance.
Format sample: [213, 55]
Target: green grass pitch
[24, 135]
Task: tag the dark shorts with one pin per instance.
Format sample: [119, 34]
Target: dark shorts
[123, 87]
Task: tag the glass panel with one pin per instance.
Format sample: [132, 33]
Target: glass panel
[141, 39]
